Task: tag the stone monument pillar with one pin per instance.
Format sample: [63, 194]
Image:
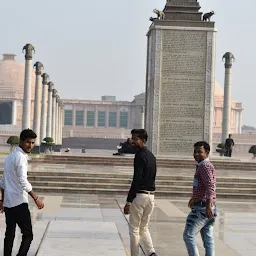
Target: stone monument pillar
[61, 120]
[142, 117]
[37, 104]
[49, 110]
[44, 107]
[14, 112]
[240, 122]
[180, 79]
[56, 130]
[229, 57]
[26, 115]
[54, 94]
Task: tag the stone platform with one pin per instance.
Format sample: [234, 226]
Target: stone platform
[94, 225]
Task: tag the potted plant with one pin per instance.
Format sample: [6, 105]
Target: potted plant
[221, 149]
[252, 150]
[48, 142]
[14, 142]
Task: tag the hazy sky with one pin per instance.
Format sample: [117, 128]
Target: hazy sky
[98, 47]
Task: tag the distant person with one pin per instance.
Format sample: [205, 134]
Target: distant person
[15, 189]
[126, 147]
[229, 144]
[203, 210]
[140, 200]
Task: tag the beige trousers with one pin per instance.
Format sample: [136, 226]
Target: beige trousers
[140, 212]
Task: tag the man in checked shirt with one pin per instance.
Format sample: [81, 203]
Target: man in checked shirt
[202, 216]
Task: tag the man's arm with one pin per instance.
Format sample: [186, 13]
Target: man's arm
[209, 184]
[233, 143]
[23, 179]
[137, 176]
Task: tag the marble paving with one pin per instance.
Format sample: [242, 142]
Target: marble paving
[95, 225]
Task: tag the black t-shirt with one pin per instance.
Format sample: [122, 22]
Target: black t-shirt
[229, 142]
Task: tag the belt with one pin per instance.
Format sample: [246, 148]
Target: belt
[146, 192]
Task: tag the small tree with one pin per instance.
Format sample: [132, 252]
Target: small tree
[13, 141]
[221, 149]
[48, 142]
[252, 150]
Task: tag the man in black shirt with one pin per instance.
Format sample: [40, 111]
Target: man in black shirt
[229, 145]
[140, 200]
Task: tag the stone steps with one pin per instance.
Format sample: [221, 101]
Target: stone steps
[128, 161]
[170, 180]
[105, 191]
[170, 188]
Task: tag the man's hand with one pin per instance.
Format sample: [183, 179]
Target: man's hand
[39, 203]
[127, 209]
[191, 203]
[209, 212]
[1, 206]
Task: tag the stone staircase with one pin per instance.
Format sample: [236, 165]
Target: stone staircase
[224, 164]
[119, 184]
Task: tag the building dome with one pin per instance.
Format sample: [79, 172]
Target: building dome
[12, 78]
[218, 91]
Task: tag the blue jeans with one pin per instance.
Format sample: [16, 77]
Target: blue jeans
[198, 222]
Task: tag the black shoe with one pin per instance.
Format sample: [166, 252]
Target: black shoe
[153, 254]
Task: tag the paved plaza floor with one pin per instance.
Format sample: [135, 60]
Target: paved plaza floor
[94, 225]
[76, 224]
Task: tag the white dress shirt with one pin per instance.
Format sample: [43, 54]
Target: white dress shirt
[15, 179]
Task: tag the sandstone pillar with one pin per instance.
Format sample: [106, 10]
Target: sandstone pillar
[54, 94]
[44, 106]
[180, 78]
[49, 110]
[37, 103]
[26, 115]
[229, 57]
[240, 122]
[14, 112]
[56, 130]
[142, 117]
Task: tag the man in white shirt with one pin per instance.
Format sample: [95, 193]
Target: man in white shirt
[15, 189]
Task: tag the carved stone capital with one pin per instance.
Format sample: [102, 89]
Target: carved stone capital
[229, 58]
[45, 77]
[50, 88]
[29, 49]
[54, 93]
[39, 67]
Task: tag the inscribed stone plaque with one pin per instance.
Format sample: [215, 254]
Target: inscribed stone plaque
[182, 96]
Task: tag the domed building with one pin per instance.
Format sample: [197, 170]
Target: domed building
[236, 113]
[12, 90]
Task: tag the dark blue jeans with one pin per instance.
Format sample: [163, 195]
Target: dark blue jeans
[198, 222]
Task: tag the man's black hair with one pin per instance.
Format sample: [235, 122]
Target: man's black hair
[27, 133]
[142, 134]
[203, 144]
[133, 131]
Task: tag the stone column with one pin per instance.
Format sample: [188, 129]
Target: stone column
[229, 57]
[44, 107]
[240, 122]
[57, 121]
[14, 112]
[26, 115]
[54, 94]
[73, 115]
[142, 117]
[118, 118]
[61, 120]
[96, 116]
[49, 110]
[37, 103]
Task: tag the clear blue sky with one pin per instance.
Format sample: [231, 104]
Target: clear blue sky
[98, 47]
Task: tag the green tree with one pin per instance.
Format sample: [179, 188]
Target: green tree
[252, 150]
[221, 149]
[13, 141]
[48, 142]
